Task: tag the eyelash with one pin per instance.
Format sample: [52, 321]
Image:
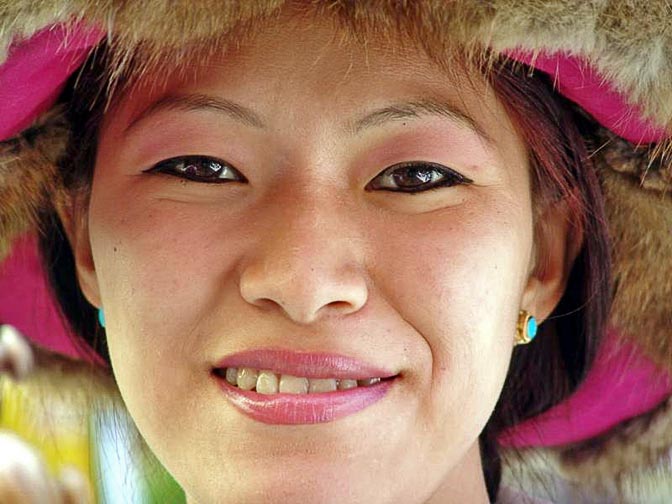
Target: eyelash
[187, 166]
[392, 174]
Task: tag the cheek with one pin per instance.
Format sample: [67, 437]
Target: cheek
[161, 272]
[458, 279]
[164, 273]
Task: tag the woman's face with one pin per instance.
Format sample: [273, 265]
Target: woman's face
[312, 244]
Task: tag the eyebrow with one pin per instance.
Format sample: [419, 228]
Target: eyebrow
[415, 109]
[192, 102]
[400, 111]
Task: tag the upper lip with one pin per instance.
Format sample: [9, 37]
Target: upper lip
[305, 364]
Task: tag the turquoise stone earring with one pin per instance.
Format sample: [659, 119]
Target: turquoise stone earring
[101, 317]
[526, 329]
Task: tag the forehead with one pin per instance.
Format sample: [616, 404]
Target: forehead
[294, 66]
[303, 54]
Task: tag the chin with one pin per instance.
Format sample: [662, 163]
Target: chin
[301, 483]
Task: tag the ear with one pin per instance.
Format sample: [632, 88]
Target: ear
[74, 218]
[557, 244]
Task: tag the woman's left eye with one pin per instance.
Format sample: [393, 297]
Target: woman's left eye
[199, 169]
[416, 176]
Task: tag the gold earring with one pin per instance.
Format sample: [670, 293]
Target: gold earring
[526, 328]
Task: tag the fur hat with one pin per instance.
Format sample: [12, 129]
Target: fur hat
[612, 57]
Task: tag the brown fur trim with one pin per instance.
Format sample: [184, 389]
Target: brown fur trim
[28, 175]
[613, 34]
[640, 225]
[651, 165]
[629, 463]
[636, 444]
[540, 472]
[20, 20]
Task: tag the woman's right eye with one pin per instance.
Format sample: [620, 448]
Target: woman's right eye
[204, 169]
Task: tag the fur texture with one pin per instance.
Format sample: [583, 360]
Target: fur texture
[630, 463]
[28, 175]
[613, 34]
[640, 222]
[627, 41]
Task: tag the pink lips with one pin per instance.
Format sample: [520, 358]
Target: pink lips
[293, 409]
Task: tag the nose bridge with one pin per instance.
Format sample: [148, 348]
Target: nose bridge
[305, 261]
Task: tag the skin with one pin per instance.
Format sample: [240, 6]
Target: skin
[302, 256]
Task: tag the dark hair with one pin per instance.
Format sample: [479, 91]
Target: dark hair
[541, 374]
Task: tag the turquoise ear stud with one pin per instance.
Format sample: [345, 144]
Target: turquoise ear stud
[526, 329]
[101, 317]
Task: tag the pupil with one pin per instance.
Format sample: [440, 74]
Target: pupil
[202, 168]
[191, 169]
[413, 177]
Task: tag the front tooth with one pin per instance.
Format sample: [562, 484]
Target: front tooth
[267, 382]
[367, 381]
[321, 385]
[232, 375]
[293, 384]
[247, 378]
[346, 384]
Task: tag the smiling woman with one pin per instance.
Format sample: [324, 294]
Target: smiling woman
[333, 255]
[308, 256]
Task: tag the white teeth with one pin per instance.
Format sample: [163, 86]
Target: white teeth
[318, 385]
[346, 384]
[293, 384]
[368, 381]
[267, 382]
[247, 378]
[232, 375]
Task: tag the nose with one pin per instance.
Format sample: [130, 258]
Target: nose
[305, 263]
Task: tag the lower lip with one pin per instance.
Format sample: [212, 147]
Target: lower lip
[295, 409]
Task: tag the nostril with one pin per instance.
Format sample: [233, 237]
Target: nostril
[339, 305]
[267, 304]
[337, 308]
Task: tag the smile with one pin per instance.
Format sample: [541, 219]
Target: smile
[269, 382]
[290, 388]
